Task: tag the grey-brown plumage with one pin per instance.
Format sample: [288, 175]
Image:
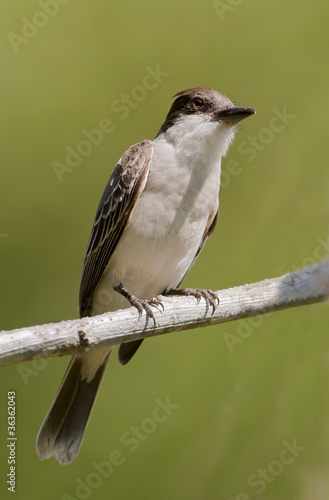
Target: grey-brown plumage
[118, 200]
[63, 428]
[157, 211]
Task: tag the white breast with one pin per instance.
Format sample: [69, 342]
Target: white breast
[167, 224]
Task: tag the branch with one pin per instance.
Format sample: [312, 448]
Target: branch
[305, 286]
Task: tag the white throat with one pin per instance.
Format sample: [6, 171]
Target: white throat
[199, 138]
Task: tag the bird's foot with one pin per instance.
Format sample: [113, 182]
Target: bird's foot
[140, 304]
[209, 296]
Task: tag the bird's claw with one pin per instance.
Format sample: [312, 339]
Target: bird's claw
[146, 305]
[140, 304]
[209, 296]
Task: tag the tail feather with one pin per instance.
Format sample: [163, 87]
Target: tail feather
[63, 428]
[127, 350]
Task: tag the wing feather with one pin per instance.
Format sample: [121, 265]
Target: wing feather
[123, 189]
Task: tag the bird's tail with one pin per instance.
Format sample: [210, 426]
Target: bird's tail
[63, 428]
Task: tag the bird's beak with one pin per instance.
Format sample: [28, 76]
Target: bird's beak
[234, 115]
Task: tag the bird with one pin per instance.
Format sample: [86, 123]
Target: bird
[159, 207]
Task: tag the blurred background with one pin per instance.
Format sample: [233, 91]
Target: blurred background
[249, 417]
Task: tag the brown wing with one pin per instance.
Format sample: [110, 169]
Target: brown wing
[119, 198]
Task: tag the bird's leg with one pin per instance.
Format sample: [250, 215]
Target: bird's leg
[140, 304]
[198, 293]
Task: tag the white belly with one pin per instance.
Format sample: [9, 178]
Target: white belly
[163, 234]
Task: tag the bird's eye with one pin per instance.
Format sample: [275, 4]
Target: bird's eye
[196, 103]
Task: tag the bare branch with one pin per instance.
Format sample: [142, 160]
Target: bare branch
[305, 286]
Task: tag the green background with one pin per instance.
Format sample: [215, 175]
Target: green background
[235, 409]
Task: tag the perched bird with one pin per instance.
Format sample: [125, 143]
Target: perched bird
[158, 209]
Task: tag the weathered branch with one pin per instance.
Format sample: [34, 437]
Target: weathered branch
[305, 286]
